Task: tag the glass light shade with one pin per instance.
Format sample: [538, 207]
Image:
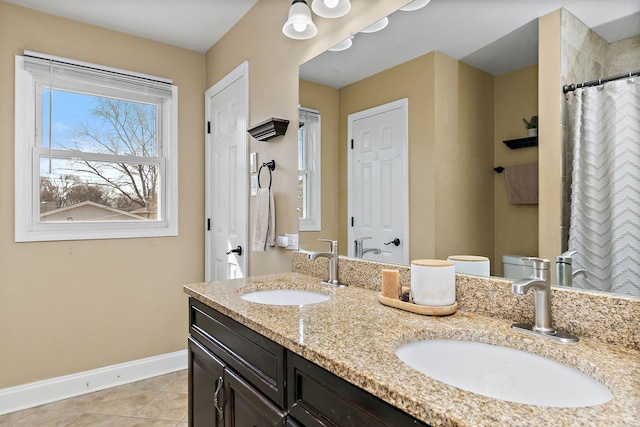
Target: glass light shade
[343, 45]
[299, 26]
[325, 8]
[415, 5]
[377, 26]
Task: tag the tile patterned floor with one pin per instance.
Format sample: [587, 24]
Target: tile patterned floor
[157, 402]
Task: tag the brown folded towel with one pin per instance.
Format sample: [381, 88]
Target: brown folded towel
[522, 184]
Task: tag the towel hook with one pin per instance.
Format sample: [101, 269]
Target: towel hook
[270, 166]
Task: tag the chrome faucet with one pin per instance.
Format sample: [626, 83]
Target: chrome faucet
[541, 286]
[564, 273]
[358, 248]
[333, 262]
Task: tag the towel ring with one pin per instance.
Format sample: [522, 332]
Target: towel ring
[271, 166]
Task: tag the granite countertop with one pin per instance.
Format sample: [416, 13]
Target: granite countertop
[354, 336]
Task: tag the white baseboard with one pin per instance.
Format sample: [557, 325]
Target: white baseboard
[40, 392]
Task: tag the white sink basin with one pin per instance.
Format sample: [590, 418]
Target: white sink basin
[284, 297]
[503, 373]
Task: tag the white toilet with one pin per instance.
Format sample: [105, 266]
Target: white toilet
[513, 267]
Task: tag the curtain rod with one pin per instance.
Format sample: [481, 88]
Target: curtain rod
[572, 87]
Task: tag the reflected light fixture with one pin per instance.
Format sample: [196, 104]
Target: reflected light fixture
[415, 5]
[331, 8]
[299, 26]
[376, 26]
[343, 45]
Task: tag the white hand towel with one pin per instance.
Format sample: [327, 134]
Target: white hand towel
[264, 233]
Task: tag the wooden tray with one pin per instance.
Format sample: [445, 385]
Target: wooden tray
[417, 308]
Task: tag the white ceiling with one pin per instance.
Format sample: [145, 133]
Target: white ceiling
[471, 30]
[494, 35]
[191, 24]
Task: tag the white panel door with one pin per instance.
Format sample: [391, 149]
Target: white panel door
[226, 173]
[378, 182]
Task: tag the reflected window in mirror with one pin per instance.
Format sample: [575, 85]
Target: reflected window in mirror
[309, 186]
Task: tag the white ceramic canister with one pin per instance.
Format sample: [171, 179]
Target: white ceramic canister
[433, 282]
[471, 264]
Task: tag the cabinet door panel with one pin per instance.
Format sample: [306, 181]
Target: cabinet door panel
[205, 378]
[246, 407]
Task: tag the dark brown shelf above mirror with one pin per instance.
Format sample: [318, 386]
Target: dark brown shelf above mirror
[531, 141]
[268, 129]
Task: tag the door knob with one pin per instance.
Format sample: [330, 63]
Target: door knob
[237, 250]
[395, 241]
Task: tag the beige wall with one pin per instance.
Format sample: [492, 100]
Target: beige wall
[273, 92]
[516, 226]
[72, 306]
[550, 101]
[463, 161]
[325, 100]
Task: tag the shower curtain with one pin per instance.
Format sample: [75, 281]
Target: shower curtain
[604, 127]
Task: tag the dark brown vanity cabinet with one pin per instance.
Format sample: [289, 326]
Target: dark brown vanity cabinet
[239, 378]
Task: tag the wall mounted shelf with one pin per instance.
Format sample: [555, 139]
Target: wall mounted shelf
[268, 129]
[531, 141]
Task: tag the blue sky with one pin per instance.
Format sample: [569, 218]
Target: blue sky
[70, 109]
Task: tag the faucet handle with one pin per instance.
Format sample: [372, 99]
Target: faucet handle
[566, 257]
[538, 263]
[333, 243]
[362, 238]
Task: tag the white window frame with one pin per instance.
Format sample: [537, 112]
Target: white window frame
[28, 227]
[312, 173]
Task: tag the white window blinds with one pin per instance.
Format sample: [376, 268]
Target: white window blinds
[60, 69]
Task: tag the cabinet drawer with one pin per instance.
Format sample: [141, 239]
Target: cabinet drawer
[256, 358]
[317, 397]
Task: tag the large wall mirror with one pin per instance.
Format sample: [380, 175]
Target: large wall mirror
[468, 72]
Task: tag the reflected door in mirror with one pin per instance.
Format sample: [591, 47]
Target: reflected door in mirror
[377, 168]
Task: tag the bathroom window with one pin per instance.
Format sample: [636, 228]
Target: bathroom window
[309, 187]
[95, 152]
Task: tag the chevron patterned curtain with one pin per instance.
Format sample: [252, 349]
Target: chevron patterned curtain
[604, 127]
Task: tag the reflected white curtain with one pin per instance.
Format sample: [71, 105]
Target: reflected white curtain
[604, 126]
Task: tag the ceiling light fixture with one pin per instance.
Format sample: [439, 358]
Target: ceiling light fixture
[377, 26]
[415, 5]
[299, 26]
[343, 45]
[331, 8]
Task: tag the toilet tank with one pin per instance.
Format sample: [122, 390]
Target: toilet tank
[514, 267]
